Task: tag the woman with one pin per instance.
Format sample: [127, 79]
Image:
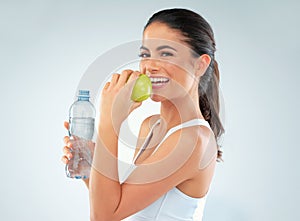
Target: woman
[176, 150]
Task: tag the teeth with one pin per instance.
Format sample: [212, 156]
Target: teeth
[159, 80]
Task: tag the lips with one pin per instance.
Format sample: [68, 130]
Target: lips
[159, 82]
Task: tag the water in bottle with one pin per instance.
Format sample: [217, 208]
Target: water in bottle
[81, 129]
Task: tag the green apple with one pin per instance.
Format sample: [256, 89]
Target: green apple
[142, 89]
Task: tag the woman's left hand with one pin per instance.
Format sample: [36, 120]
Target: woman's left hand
[116, 103]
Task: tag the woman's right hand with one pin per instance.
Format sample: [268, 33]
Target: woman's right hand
[67, 152]
[67, 148]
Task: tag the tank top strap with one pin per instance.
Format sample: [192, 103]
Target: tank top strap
[146, 142]
[190, 123]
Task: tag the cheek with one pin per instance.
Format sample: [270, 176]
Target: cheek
[142, 66]
[182, 65]
[171, 68]
[180, 74]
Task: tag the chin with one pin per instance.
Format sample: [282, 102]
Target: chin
[157, 98]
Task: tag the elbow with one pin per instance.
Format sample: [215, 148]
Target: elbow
[95, 217]
[100, 214]
[102, 217]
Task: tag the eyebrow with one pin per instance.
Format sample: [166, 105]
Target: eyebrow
[144, 48]
[158, 48]
[164, 47]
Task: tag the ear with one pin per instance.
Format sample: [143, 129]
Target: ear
[201, 64]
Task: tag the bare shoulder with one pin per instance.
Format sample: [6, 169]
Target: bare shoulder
[178, 154]
[195, 144]
[203, 161]
[186, 144]
[206, 146]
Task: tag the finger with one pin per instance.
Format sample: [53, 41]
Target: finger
[67, 152]
[134, 75]
[64, 159]
[115, 78]
[66, 125]
[70, 140]
[124, 77]
[66, 139]
[106, 86]
[132, 79]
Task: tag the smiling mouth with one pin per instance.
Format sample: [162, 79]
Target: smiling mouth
[158, 82]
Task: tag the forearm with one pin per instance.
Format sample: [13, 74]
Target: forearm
[104, 186]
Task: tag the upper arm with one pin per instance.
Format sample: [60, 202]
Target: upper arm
[175, 161]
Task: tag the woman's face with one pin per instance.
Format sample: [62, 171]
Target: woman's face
[167, 59]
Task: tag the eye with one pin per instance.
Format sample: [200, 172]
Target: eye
[166, 54]
[144, 55]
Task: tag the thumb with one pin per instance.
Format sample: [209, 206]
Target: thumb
[132, 80]
[66, 125]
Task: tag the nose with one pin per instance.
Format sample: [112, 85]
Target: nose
[149, 65]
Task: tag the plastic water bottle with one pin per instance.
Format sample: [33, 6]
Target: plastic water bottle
[81, 128]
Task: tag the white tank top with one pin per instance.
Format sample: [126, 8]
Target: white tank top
[173, 205]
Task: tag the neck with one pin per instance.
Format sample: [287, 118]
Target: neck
[177, 111]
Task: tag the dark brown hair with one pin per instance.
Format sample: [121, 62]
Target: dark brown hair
[199, 35]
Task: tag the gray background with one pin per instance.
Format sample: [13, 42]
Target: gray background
[45, 48]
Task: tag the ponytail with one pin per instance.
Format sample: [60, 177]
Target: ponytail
[208, 89]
